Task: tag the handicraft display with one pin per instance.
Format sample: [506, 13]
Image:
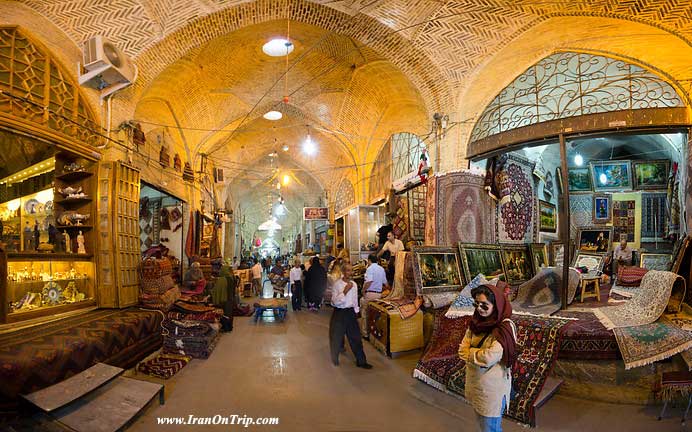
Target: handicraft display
[517, 264]
[654, 219]
[651, 174]
[481, 259]
[611, 175]
[548, 217]
[624, 219]
[595, 240]
[602, 209]
[654, 261]
[436, 269]
[593, 262]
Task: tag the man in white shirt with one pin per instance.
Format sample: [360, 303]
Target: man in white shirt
[375, 281]
[236, 263]
[393, 245]
[344, 321]
[257, 278]
[296, 275]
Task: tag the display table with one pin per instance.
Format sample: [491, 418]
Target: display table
[390, 333]
[590, 281]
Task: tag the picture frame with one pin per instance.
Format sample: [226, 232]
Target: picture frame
[481, 258]
[539, 256]
[655, 261]
[436, 269]
[679, 251]
[517, 263]
[594, 262]
[547, 215]
[579, 180]
[602, 209]
[651, 174]
[556, 252]
[590, 240]
[611, 175]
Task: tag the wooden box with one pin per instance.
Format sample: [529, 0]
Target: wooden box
[390, 333]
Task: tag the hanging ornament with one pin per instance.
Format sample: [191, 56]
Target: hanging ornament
[188, 174]
[423, 168]
[177, 163]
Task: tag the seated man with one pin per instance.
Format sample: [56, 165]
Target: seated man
[194, 282]
[277, 278]
[622, 255]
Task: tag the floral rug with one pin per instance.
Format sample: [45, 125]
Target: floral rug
[516, 207]
[538, 340]
[647, 305]
[587, 338]
[648, 343]
[541, 295]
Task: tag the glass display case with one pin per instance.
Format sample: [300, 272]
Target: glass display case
[11, 225]
[360, 230]
[36, 216]
[46, 284]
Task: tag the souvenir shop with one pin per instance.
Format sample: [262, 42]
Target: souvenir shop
[161, 224]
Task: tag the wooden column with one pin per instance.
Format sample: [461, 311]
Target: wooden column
[563, 214]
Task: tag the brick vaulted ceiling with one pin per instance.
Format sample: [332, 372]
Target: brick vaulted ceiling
[363, 68]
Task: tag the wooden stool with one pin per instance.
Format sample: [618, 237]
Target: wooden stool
[590, 280]
[676, 385]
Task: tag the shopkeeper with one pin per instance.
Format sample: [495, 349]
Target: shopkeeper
[392, 246]
[375, 281]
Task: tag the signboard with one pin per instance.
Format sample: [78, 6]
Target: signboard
[315, 213]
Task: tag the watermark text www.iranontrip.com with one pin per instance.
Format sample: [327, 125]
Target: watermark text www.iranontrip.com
[218, 419]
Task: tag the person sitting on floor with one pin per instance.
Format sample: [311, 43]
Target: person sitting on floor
[194, 281]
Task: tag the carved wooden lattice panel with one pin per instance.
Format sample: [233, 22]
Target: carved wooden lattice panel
[126, 232]
[31, 80]
[345, 196]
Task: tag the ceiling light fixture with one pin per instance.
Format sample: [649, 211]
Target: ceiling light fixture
[285, 147]
[578, 160]
[273, 115]
[278, 47]
[286, 179]
[309, 146]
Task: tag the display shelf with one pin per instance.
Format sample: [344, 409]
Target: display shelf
[83, 227]
[53, 310]
[14, 256]
[73, 176]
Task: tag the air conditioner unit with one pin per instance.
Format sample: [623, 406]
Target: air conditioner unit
[106, 68]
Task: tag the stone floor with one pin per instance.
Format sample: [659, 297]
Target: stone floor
[283, 370]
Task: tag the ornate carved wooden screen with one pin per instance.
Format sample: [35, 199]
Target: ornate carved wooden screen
[345, 196]
[35, 90]
[570, 84]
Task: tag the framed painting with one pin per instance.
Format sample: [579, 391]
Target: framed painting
[579, 180]
[594, 239]
[679, 251]
[602, 209]
[547, 216]
[539, 256]
[655, 261]
[518, 267]
[594, 262]
[611, 175]
[436, 269]
[651, 174]
[481, 258]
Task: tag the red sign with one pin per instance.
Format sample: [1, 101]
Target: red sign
[315, 213]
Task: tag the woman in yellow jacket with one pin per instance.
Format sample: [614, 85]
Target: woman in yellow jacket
[489, 350]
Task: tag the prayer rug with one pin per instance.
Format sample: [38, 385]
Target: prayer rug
[580, 212]
[653, 216]
[647, 305]
[542, 294]
[516, 208]
[587, 338]
[644, 344]
[464, 211]
[164, 366]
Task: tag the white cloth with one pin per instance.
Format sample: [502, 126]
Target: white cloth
[295, 274]
[393, 248]
[375, 274]
[344, 301]
[257, 271]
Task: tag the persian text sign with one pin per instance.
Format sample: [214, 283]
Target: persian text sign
[315, 213]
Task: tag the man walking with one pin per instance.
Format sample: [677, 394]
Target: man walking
[344, 321]
[296, 275]
[257, 278]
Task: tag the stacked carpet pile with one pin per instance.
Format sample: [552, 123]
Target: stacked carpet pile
[191, 329]
[157, 287]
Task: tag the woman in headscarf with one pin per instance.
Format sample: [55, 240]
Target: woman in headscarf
[489, 350]
[315, 283]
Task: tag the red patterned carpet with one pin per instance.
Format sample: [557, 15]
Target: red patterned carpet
[36, 357]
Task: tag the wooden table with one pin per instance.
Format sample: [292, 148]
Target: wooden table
[588, 281]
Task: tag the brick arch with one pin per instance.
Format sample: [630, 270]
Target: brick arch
[415, 64]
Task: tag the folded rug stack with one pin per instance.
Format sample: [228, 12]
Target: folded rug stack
[157, 287]
[191, 329]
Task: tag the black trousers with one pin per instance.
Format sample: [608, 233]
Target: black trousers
[344, 322]
[297, 292]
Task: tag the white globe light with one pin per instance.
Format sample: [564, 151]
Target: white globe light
[578, 160]
[309, 147]
[277, 47]
[603, 178]
[273, 115]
